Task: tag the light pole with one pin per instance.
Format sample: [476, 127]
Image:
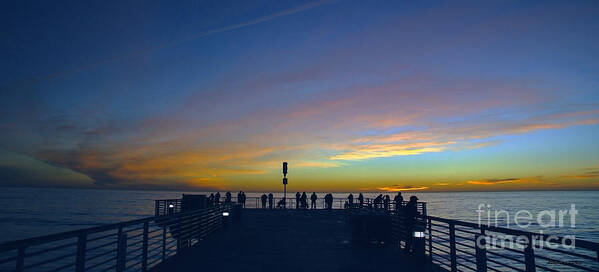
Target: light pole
[284, 185]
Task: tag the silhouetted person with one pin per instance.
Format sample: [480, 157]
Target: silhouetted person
[313, 199]
[350, 200]
[378, 201]
[263, 198]
[304, 200]
[297, 200]
[398, 201]
[243, 199]
[386, 201]
[211, 200]
[228, 198]
[239, 197]
[411, 213]
[217, 198]
[329, 201]
[361, 200]
[281, 203]
[270, 200]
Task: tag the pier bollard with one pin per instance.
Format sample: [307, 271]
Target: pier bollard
[121, 254]
[226, 215]
[171, 208]
[418, 242]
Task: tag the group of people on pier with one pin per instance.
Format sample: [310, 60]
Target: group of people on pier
[381, 202]
[214, 199]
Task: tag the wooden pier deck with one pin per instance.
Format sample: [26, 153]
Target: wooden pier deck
[289, 240]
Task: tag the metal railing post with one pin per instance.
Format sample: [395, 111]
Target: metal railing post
[20, 259]
[452, 250]
[430, 239]
[529, 255]
[121, 252]
[163, 243]
[481, 251]
[144, 254]
[81, 247]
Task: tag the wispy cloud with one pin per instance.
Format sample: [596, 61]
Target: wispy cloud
[457, 136]
[400, 188]
[589, 173]
[493, 181]
[191, 37]
[389, 150]
[316, 164]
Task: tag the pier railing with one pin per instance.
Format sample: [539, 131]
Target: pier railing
[135, 245]
[168, 206]
[463, 246]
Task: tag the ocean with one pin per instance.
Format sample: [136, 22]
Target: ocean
[29, 212]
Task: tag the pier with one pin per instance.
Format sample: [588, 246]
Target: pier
[186, 236]
[288, 240]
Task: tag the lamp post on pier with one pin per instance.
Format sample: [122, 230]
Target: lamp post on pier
[284, 185]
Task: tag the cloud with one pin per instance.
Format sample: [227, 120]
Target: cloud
[589, 173]
[369, 152]
[400, 188]
[316, 164]
[455, 136]
[493, 181]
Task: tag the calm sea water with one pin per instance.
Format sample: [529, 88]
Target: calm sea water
[28, 212]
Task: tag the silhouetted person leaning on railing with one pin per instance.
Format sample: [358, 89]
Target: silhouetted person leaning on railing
[263, 198]
[378, 201]
[217, 198]
[313, 199]
[270, 200]
[281, 203]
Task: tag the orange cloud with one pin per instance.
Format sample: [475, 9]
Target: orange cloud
[493, 181]
[590, 173]
[361, 152]
[400, 188]
[316, 164]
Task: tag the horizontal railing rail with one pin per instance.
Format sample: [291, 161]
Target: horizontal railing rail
[135, 245]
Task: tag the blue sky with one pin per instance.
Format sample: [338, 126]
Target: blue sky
[379, 95]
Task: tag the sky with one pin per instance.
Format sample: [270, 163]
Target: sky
[354, 95]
